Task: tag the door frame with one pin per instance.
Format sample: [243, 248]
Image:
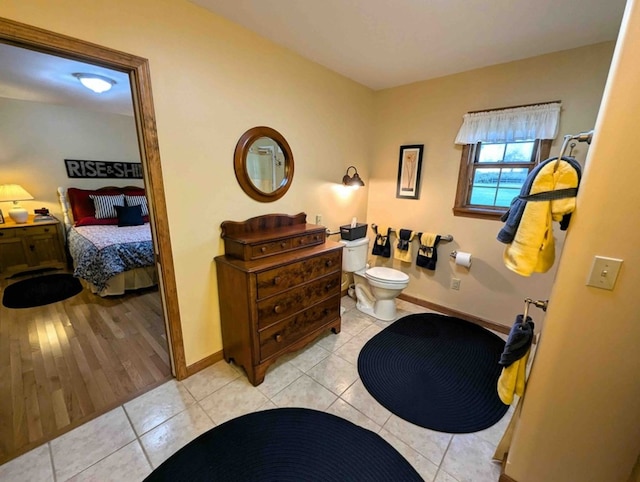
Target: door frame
[34, 38]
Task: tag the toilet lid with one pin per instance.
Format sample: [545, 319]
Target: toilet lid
[388, 275]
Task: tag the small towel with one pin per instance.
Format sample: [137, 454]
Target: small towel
[427, 253]
[382, 245]
[403, 248]
[518, 342]
[512, 380]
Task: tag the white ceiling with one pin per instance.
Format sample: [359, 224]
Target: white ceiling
[386, 43]
[378, 43]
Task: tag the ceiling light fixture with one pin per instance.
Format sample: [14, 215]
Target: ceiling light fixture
[96, 83]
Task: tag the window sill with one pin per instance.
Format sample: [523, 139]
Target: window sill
[478, 212]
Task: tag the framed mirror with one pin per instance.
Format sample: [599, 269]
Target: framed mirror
[263, 164]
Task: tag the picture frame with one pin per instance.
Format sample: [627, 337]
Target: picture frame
[1, 217]
[409, 171]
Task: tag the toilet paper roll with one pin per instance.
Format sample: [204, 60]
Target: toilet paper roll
[463, 259]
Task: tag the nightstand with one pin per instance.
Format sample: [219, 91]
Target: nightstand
[31, 245]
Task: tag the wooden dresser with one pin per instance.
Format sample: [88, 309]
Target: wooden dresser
[279, 288]
[31, 245]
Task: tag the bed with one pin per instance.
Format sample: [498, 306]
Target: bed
[109, 238]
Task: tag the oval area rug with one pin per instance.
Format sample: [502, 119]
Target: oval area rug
[435, 371]
[41, 290]
[286, 444]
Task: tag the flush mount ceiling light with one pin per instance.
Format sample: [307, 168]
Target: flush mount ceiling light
[96, 83]
[352, 181]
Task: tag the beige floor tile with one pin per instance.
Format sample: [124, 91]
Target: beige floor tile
[351, 350]
[334, 373]
[342, 409]
[79, 449]
[358, 396]
[309, 357]
[494, 433]
[157, 406]
[347, 303]
[353, 322]
[423, 466]
[332, 341]
[428, 443]
[212, 378]
[234, 399]
[34, 466]
[166, 439]
[445, 477]
[128, 463]
[279, 376]
[369, 332]
[305, 392]
[468, 459]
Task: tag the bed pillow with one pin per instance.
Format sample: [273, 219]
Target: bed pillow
[105, 205]
[129, 215]
[91, 220]
[138, 201]
[82, 205]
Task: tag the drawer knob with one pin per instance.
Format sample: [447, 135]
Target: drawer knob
[46, 230]
[329, 263]
[328, 287]
[277, 337]
[278, 308]
[263, 249]
[1, 234]
[283, 245]
[326, 312]
[276, 280]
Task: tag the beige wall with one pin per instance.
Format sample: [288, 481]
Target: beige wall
[212, 81]
[36, 138]
[430, 113]
[581, 413]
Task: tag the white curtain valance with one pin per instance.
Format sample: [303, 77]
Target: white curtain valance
[508, 125]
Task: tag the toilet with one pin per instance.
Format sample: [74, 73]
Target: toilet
[376, 288]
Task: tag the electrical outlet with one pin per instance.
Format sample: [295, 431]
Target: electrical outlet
[318, 218]
[455, 283]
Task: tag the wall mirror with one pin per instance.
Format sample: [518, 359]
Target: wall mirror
[263, 164]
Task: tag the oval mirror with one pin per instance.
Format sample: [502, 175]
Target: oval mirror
[263, 164]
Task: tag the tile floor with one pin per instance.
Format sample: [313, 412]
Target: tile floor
[128, 442]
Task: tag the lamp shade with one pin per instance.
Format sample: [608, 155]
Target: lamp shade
[14, 193]
[94, 82]
[352, 181]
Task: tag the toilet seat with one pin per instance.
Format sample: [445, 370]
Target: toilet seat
[386, 275]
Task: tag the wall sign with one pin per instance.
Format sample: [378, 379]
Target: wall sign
[103, 169]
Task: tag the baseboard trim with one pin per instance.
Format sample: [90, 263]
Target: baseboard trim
[504, 477]
[458, 314]
[204, 363]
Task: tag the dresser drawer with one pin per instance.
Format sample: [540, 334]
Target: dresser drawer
[35, 230]
[279, 279]
[7, 233]
[267, 249]
[308, 240]
[289, 302]
[279, 336]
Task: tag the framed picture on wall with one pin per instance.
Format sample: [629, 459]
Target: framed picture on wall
[409, 169]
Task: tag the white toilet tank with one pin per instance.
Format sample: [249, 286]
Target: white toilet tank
[354, 254]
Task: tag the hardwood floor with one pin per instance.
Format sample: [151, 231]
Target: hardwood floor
[65, 363]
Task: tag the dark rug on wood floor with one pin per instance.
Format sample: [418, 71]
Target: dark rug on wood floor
[286, 444]
[435, 371]
[41, 290]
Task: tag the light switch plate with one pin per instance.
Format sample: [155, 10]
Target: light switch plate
[604, 272]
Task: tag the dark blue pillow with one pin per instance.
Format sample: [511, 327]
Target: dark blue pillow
[129, 215]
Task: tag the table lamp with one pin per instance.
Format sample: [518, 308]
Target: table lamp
[14, 193]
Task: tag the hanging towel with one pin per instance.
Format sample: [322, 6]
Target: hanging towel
[382, 244]
[427, 253]
[548, 195]
[512, 380]
[403, 248]
[518, 342]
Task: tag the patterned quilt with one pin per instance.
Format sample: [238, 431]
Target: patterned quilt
[101, 252]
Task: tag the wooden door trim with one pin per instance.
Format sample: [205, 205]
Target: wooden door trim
[34, 38]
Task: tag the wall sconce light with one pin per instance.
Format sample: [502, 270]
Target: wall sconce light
[352, 181]
[14, 193]
[96, 83]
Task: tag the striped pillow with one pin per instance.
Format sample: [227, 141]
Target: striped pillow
[138, 201]
[105, 205]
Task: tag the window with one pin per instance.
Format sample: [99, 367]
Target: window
[500, 148]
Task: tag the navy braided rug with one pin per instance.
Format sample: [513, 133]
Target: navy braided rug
[41, 290]
[286, 444]
[435, 371]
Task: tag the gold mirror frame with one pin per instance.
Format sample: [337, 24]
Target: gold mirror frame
[240, 164]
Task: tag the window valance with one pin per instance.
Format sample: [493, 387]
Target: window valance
[513, 124]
